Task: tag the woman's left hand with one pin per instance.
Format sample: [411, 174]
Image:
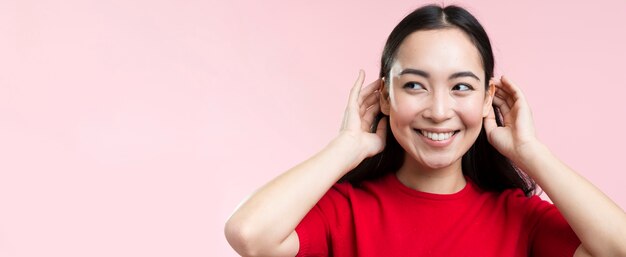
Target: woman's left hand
[518, 130]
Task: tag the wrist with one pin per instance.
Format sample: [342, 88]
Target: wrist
[349, 148]
[530, 152]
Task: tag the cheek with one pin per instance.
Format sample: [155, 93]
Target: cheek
[471, 111]
[406, 109]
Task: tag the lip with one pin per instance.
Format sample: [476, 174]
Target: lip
[433, 143]
[438, 130]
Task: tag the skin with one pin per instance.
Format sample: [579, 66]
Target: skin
[264, 224]
[432, 100]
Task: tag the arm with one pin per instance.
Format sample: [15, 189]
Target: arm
[597, 221]
[264, 225]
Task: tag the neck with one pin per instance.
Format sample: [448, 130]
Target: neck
[445, 180]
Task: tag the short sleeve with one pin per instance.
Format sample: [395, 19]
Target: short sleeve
[312, 233]
[551, 235]
[329, 216]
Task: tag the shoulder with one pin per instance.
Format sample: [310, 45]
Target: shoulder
[343, 196]
[515, 198]
[365, 188]
[549, 233]
[331, 224]
[533, 210]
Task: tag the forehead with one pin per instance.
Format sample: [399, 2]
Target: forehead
[441, 51]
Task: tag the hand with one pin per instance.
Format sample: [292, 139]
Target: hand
[518, 131]
[360, 114]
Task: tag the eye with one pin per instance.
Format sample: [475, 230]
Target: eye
[462, 87]
[413, 86]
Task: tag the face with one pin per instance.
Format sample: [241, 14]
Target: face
[435, 98]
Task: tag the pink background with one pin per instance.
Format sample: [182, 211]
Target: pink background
[134, 128]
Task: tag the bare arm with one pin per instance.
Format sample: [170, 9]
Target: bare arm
[599, 223]
[264, 224]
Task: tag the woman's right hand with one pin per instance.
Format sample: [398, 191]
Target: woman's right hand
[360, 114]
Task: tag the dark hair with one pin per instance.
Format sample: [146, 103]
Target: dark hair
[482, 163]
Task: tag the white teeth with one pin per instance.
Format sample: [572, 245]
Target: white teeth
[437, 136]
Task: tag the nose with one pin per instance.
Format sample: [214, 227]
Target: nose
[440, 107]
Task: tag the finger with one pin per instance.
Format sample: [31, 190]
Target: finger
[501, 114]
[370, 115]
[500, 87]
[505, 97]
[508, 94]
[505, 85]
[502, 104]
[368, 90]
[520, 98]
[490, 121]
[371, 100]
[351, 110]
[501, 93]
[356, 89]
[381, 129]
[511, 88]
[502, 111]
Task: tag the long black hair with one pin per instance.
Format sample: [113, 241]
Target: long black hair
[482, 163]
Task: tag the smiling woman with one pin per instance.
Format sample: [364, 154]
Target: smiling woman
[439, 110]
[426, 165]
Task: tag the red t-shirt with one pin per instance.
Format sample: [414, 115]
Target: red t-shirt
[386, 218]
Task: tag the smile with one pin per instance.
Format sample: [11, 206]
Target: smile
[437, 136]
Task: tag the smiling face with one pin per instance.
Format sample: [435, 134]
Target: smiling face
[436, 98]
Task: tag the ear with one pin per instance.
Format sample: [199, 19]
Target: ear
[384, 97]
[491, 91]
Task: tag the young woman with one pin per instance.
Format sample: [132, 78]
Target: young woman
[429, 162]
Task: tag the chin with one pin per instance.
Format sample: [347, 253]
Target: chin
[437, 163]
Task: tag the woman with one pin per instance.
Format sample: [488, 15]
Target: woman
[427, 168]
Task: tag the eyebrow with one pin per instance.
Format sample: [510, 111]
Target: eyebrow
[453, 76]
